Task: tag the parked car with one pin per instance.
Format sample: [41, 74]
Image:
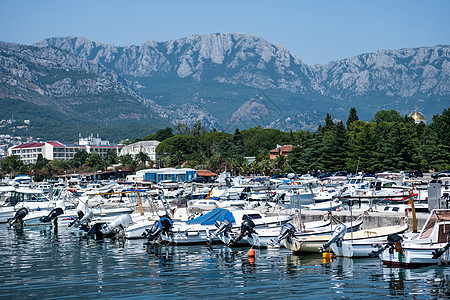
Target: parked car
[340, 173]
[414, 173]
[444, 173]
[323, 175]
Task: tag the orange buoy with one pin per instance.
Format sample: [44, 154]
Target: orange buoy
[251, 252]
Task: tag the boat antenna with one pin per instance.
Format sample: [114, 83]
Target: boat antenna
[357, 165]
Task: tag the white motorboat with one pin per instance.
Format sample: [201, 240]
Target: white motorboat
[198, 230]
[32, 199]
[323, 206]
[265, 237]
[430, 246]
[362, 246]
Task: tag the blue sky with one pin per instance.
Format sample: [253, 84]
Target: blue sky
[315, 31]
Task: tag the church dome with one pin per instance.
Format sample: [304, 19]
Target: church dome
[418, 116]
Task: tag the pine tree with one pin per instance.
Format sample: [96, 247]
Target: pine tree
[352, 117]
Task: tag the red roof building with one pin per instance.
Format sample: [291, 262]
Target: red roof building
[284, 150]
[29, 152]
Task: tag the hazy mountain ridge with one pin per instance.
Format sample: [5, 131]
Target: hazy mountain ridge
[404, 73]
[233, 58]
[216, 77]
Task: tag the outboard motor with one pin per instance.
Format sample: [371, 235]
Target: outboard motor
[80, 215]
[163, 225]
[52, 215]
[247, 228]
[82, 218]
[391, 240]
[118, 223]
[224, 226]
[438, 253]
[288, 230]
[337, 236]
[18, 217]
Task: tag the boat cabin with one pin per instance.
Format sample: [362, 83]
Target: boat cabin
[437, 227]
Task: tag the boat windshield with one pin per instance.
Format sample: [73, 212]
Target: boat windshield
[436, 216]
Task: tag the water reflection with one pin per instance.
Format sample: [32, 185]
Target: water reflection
[38, 260]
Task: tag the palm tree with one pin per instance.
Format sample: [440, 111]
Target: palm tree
[142, 157]
[126, 159]
[279, 162]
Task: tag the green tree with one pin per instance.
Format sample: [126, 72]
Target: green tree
[80, 158]
[94, 161]
[183, 144]
[163, 134]
[329, 124]
[387, 116]
[362, 145]
[13, 165]
[352, 116]
[41, 162]
[198, 129]
[238, 141]
[279, 162]
[111, 157]
[183, 129]
[441, 125]
[143, 158]
[125, 160]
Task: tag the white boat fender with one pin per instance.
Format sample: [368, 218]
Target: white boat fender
[336, 237]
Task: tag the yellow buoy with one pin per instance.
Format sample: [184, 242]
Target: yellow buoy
[327, 256]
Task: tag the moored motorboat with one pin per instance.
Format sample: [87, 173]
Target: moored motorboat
[197, 231]
[430, 246]
[312, 243]
[362, 247]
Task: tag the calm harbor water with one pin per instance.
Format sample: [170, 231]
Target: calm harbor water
[42, 263]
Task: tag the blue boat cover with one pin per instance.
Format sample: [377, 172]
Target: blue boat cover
[218, 214]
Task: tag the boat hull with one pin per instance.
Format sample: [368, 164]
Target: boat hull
[418, 255]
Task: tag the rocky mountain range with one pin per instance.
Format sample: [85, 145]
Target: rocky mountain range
[225, 80]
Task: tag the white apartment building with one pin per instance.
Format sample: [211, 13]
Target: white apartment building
[148, 147]
[29, 152]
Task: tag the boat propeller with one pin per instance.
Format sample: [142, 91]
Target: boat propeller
[288, 230]
[164, 224]
[18, 217]
[247, 228]
[54, 213]
[222, 227]
[337, 236]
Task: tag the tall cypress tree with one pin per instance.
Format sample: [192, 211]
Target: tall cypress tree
[352, 117]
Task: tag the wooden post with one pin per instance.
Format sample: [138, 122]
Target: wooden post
[413, 211]
[141, 209]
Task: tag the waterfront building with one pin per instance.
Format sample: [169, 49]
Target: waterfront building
[29, 152]
[169, 174]
[418, 116]
[284, 150]
[148, 147]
